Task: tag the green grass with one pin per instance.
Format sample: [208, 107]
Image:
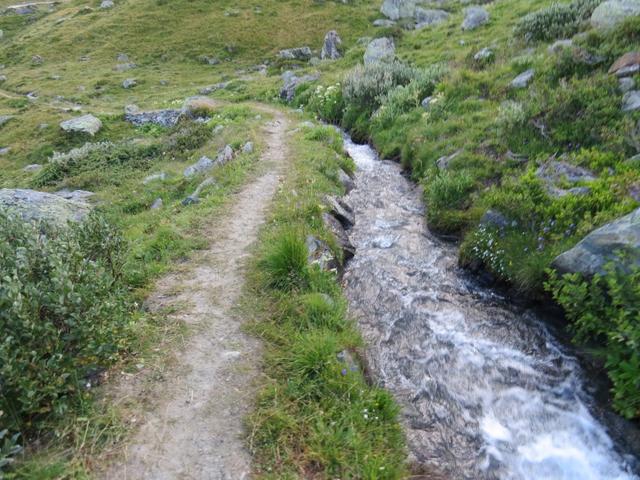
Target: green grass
[315, 416]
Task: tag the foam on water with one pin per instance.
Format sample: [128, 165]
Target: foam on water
[487, 392]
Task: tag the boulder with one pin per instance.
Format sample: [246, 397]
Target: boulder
[129, 83]
[444, 162]
[106, 4]
[383, 22]
[429, 18]
[631, 101]
[397, 9]
[226, 154]
[611, 13]
[247, 147]
[195, 196]
[33, 205]
[204, 164]
[299, 53]
[84, 124]
[474, 17]
[559, 45]
[5, 118]
[123, 67]
[155, 177]
[626, 84]
[426, 102]
[164, 118]
[292, 81]
[493, 218]
[319, 253]
[523, 80]
[3, 78]
[342, 239]
[627, 65]
[208, 90]
[37, 60]
[346, 181]
[34, 167]
[77, 195]
[598, 248]
[157, 204]
[558, 171]
[331, 46]
[380, 50]
[340, 210]
[199, 106]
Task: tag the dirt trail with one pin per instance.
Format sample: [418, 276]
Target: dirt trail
[195, 430]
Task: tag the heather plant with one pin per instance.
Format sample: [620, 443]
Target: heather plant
[560, 20]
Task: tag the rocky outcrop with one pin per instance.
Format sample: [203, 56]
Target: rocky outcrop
[380, 50]
[298, 53]
[331, 46]
[556, 173]
[397, 9]
[84, 124]
[612, 13]
[33, 205]
[164, 118]
[600, 247]
[341, 211]
[291, 82]
[474, 17]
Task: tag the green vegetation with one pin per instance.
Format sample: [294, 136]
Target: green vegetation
[317, 414]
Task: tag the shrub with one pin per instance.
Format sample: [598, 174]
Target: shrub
[448, 190]
[327, 103]
[560, 20]
[606, 310]
[285, 262]
[64, 314]
[511, 116]
[9, 449]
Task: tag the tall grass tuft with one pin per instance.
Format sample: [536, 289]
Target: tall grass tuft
[285, 262]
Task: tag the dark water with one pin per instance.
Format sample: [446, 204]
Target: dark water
[487, 392]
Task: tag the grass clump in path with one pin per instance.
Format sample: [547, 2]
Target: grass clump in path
[317, 415]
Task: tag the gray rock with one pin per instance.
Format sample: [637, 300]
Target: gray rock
[210, 60]
[429, 18]
[397, 9]
[626, 84]
[292, 81]
[493, 218]
[198, 106]
[426, 102]
[558, 171]
[106, 4]
[474, 17]
[319, 253]
[34, 167]
[37, 60]
[32, 205]
[380, 50]
[383, 22]
[162, 176]
[598, 248]
[122, 57]
[4, 119]
[299, 53]
[631, 101]
[164, 118]
[342, 239]
[131, 109]
[346, 180]
[77, 195]
[247, 147]
[226, 155]
[4, 150]
[340, 210]
[611, 13]
[204, 164]
[129, 83]
[350, 362]
[123, 67]
[331, 46]
[444, 162]
[627, 65]
[523, 80]
[483, 55]
[83, 124]
[3, 78]
[213, 88]
[157, 204]
[560, 45]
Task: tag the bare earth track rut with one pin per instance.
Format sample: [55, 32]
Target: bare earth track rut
[195, 429]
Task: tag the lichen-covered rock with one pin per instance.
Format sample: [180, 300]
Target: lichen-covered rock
[299, 53]
[84, 124]
[380, 50]
[331, 46]
[164, 118]
[612, 13]
[474, 17]
[33, 205]
[397, 9]
[429, 18]
[204, 164]
[291, 82]
[598, 248]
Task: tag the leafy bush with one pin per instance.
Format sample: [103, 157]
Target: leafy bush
[327, 103]
[560, 20]
[9, 448]
[64, 314]
[448, 190]
[606, 310]
[285, 263]
[511, 115]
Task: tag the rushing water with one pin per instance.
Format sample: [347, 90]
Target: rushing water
[486, 391]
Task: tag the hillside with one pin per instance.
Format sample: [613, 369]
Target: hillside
[519, 120]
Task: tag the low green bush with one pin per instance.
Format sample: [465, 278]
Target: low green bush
[285, 262]
[560, 20]
[65, 314]
[327, 103]
[605, 311]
